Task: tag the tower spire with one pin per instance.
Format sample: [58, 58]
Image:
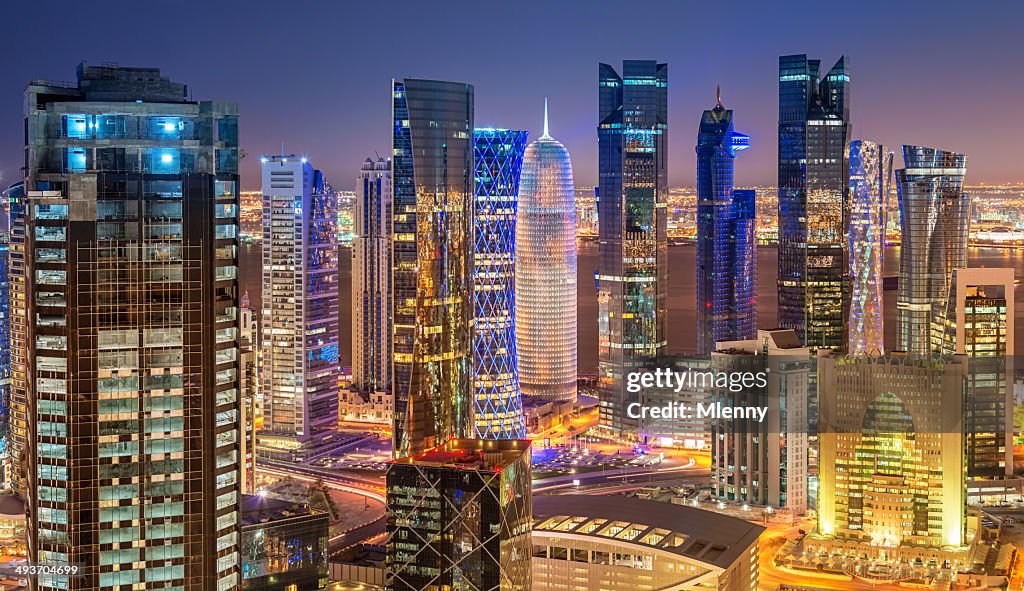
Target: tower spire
[718, 96]
[545, 119]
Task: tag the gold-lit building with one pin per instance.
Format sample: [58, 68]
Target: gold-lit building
[892, 483]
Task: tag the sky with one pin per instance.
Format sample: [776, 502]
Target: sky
[315, 76]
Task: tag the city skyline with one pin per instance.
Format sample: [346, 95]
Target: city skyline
[744, 70]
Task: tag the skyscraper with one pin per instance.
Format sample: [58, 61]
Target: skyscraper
[726, 248]
[432, 277]
[300, 299]
[130, 230]
[814, 127]
[371, 279]
[979, 323]
[459, 517]
[870, 185]
[546, 272]
[632, 267]
[17, 348]
[498, 405]
[15, 191]
[934, 218]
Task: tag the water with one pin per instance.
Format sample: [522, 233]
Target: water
[682, 315]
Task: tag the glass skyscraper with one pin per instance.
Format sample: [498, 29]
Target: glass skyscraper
[870, 185]
[14, 192]
[934, 219]
[497, 403]
[300, 299]
[371, 279]
[814, 127]
[130, 372]
[546, 272]
[726, 248]
[432, 276]
[632, 268]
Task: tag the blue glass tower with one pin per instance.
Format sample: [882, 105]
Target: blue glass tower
[497, 406]
[726, 251]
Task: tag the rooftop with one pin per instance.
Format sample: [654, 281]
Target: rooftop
[471, 454]
[693, 533]
[259, 509]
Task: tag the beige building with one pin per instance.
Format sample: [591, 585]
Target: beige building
[583, 543]
[892, 483]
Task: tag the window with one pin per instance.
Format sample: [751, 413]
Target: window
[47, 211]
[74, 160]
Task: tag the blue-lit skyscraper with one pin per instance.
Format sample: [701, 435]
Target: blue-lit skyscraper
[632, 267]
[497, 406]
[814, 125]
[726, 247]
[870, 184]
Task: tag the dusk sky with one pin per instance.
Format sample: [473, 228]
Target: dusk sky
[316, 75]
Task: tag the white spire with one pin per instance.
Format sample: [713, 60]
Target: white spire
[546, 119]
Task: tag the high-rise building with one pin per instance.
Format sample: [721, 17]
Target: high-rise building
[892, 479]
[814, 128]
[979, 322]
[371, 279]
[300, 299]
[459, 517]
[16, 402]
[248, 381]
[934, 220]
[870, 186]
[130, 231]
[497, 403]
[14, 191]
[632, 266]
[546, 272]
[284, 545]
[432, 272]
[763, 463]
[726, 263]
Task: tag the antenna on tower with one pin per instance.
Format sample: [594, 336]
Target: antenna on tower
[545, 119]
[718, 96]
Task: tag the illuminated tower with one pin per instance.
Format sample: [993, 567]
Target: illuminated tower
[870, 184]
[632, 267]
[546, 272]
[814, 127]
[726, 248]
[300, 299]
[497, 404]
[934, 219]
[432, 271]
[371, 279]
[131, 365]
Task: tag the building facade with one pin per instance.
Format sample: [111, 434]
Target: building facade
[432, 272]
[497, 402]
[870, 187]
[934, 223]
[622, 544]
[459, 517]
[979, 322]
[764, 463]
[300, 299]
[726, 262]
[130, 371]
[814, 128]
[632, 267]
[892, 454]
[284, 545]
[546, 272]
[15, 441]
[371, 279]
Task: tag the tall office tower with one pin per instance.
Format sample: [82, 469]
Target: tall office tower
[934, 218]
[814, 127]
[248, 364]
[546, 272]
[459, 517]
[17, 392]
[432, 271]
[870, 186]
[300, 299]
[979, 322]
[497, 403]
[371, 279]
[763, 463]
[632, 266]
[130, 235]
[5, 352]
[726, 248]
[892, 465]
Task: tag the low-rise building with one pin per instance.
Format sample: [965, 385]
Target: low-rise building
[284, 545]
